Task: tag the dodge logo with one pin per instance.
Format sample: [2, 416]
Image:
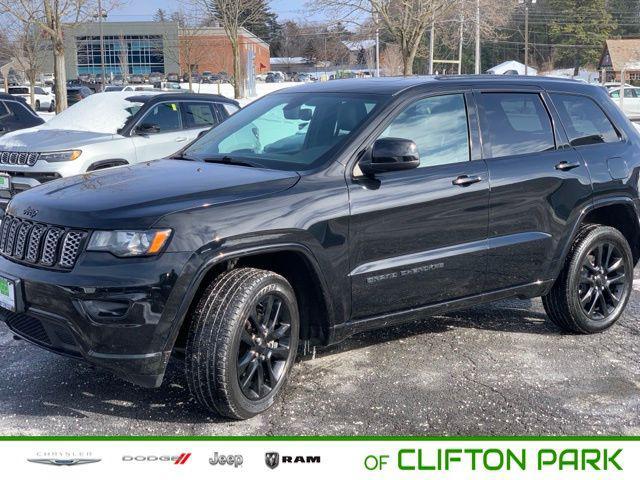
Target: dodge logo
[272, 459]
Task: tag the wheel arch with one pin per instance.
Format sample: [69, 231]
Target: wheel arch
[294, 262]
[621, 214]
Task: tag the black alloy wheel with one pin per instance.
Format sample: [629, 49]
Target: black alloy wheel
[264, 349]
[603, 281]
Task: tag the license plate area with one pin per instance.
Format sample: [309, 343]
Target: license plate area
[10, 293]
[5, 181]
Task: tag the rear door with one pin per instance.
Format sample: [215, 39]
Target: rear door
[197, 117]
[538, 185]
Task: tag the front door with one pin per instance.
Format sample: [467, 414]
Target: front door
[418, 237]
[160, 132]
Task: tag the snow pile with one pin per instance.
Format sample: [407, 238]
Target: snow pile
[102, 112]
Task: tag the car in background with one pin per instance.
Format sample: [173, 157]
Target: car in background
[44, 99]
[274, 77]
[173, 77]
[631, 103]
[15, 114]
[47, 78]
[136, 78]
[155, 77]
[206, 76]
[77, 93]
[304, 77]
[107, 130]
[84, 77]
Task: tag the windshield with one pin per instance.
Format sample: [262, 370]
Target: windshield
[101, 113]
[287, 131]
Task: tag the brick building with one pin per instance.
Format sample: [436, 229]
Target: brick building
[208, 49]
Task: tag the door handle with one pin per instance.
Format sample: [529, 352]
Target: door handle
[465, 180]
[566, 166]
[181, 139]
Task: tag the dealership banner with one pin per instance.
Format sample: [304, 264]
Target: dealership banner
[332, 459]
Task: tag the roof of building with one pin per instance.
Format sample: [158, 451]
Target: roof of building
[288, 60]
[220, 32]
[511, 65]
[356, 46]
[623, 54]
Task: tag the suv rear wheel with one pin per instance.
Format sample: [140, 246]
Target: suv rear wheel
[242, 342]
[595, 285]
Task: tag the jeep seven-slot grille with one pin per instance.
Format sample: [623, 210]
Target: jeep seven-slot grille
[40, 244]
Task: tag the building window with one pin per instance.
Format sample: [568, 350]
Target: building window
[137, 54]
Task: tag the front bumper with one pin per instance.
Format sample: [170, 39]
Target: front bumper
[119, 314]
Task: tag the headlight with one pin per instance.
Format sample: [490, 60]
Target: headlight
[60, 156]
[124, 243]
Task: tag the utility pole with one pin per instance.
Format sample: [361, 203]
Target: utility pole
[526, 33]
[431, 40]
[461, 41]
[375, 17]
[101, 14]
[477, 69]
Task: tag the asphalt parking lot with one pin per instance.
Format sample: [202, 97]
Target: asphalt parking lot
[497, 369]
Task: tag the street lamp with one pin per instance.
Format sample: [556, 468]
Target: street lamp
[526, 32]
[100, 15]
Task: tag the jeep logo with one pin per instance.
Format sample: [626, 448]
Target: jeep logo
[30, 212]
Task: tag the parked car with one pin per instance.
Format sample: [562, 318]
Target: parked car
[135, 78]
[274, 77]
[131, 127]
[325, 210]
[47, 78]
[15, 114]
[206, 76]
[155, 77]
[44, 99]
[77, 93]
[173, 77]
[84, 77]
[631, 104]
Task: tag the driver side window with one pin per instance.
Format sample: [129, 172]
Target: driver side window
[438, 126]
[165, 116]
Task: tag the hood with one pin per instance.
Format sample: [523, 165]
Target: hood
[47, 140]
[137, 196]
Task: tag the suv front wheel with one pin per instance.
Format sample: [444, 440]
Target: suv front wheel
[595, 285]
[242, 342]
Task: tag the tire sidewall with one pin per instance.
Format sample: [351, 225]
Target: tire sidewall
[273, 284]
[599, 235]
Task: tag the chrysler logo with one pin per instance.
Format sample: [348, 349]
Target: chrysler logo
[65, 462]
[272, 459]
[30, 212]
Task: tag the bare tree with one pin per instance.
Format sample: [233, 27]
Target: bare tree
[123, 57]
[391, 61]
[233, 15]
[24, 45]
[405, 20]
[56, 16]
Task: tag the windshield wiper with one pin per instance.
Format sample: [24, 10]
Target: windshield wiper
[231, 161]
[179, 156]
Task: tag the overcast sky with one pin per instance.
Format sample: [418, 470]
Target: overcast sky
[144, 9]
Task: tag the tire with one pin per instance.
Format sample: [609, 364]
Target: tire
[595, 284]
[52, 106]
[221, 352]
[37, 105]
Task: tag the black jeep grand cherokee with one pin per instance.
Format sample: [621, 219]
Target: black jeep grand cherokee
[325, 210]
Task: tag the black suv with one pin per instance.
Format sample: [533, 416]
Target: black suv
[324, 210]
[15, 114]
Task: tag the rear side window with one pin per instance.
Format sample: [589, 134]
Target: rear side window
[18, 90]
[584, 120]
[164, 116]
[516, 124]
[231, 109]
[198, 115]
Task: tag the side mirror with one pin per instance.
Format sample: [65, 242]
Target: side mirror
[390, 155]
[147, 128]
